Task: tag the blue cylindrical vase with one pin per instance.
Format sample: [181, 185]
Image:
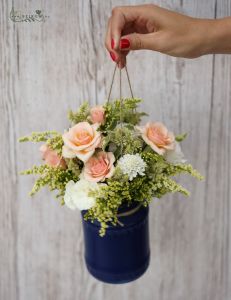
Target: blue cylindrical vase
[123, 254]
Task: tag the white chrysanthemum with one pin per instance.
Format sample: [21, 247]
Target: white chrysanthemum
[77, 194]
[175, 156]
[132, 165]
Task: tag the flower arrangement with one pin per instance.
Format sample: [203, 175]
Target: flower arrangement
[105, 159]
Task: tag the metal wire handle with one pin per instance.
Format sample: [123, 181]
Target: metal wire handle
[128, 213]
[112, 81]
[132, 211]
[129, 82]
[120, 96]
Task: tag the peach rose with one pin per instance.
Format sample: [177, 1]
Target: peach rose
[51, 157]
[157, 136]
[81, 140]
[97, 114]
[99, 167]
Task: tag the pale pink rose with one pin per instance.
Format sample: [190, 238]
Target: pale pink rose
[157, 136]
[99, 167]
[51, 157]
[97, 114]
[81, 140]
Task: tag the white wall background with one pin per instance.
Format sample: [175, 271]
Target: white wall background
[47, 68]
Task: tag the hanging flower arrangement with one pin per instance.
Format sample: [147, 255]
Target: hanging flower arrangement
[106, 159]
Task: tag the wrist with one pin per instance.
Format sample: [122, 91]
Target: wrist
[215, 36]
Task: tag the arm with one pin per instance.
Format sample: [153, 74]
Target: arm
[158, 29]
[220, 37]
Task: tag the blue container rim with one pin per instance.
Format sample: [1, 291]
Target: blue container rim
[123, 208]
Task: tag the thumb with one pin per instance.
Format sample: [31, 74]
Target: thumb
[137, 41]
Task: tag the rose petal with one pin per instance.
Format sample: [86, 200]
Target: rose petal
[84, 156]
[67, 152]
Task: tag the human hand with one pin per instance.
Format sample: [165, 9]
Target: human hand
[155, 28]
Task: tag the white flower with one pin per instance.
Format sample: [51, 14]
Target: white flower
[77, 194]
[132, 165]
[175, 156]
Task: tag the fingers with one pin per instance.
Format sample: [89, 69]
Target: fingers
[137, 41]
[121, 36]
[117, 24]
[109, 44]
[108, 36]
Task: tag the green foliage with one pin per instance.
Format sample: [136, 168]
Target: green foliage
[81, 115]
[158, 165]
[108, 200]
[54, 178]
[181, 137]
[143, 189]
[56, 143]
[121, 110]
[75, 165]
[173, 170]
[53, 139]
[39, 136]
[158, 176]
[124, 140]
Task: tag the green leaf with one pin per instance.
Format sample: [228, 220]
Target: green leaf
[81, 115]
[37, 137]
[181, 137]
[54, 178]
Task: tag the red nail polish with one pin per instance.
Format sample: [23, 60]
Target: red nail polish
[113, 56]
[124, 44]
[112, 43]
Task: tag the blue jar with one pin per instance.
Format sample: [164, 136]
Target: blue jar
[123, 254]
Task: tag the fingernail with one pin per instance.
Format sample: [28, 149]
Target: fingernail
[112, 43]
[113, 56]
[124, 44]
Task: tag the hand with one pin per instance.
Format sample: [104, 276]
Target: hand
[155, 28]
